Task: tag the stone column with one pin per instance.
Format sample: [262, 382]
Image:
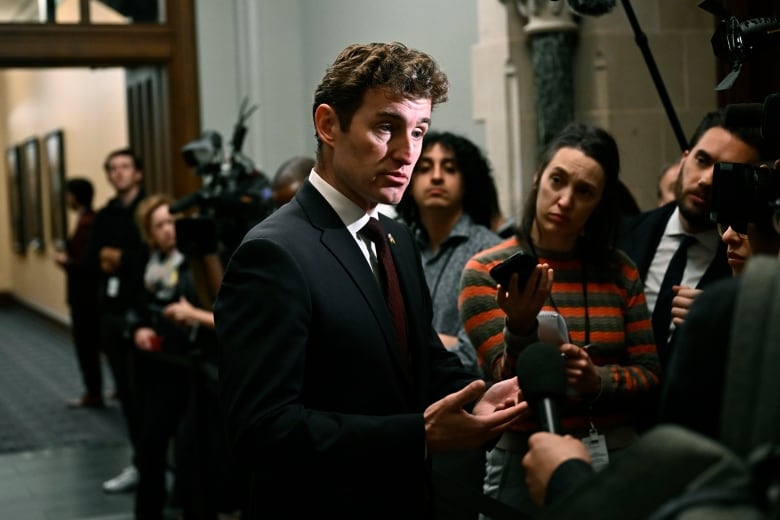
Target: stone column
[551, 30]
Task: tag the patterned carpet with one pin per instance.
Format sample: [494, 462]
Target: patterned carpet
[38, 373]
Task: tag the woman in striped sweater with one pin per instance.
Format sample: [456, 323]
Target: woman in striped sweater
[570, 223]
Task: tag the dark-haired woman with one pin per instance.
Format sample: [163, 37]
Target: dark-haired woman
[570, 222]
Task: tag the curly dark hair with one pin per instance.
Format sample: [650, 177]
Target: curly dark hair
[478, 183]
[393, 67]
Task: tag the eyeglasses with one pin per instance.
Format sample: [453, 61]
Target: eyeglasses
[723, 227]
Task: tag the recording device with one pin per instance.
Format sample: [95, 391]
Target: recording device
[541, 374]
[234, 196]
[735, 41]
[765, 116]
[744, 193]
[552, 328]
[522, 263]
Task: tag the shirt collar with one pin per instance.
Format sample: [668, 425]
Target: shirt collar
[709, 239]
[353, 217]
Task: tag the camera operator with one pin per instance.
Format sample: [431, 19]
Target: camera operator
[234, 197]
[171, 328]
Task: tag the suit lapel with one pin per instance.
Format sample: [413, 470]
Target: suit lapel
[718, 268]
[339, 242]
[643, 238]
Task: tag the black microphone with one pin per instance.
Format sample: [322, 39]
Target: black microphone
[185, 203]
[765, 116]
[541, 374]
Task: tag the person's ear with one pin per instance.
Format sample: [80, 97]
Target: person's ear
[326, 123]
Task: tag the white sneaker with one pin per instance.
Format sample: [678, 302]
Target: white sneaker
[126, 481]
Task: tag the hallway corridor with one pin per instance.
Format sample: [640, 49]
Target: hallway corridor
[53, 459]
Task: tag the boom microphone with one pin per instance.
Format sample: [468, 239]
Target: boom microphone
[541, 375]
[765, 116]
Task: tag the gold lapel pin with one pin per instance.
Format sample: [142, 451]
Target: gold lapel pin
[391, 238]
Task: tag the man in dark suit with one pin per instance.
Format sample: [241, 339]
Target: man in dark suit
[651, 238]
[322, 401]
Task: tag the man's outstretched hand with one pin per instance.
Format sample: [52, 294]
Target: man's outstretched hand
[450, 427]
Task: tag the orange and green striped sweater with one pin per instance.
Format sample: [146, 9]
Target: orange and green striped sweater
[619, 323]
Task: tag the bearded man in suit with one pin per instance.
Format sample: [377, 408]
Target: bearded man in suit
[651, 238]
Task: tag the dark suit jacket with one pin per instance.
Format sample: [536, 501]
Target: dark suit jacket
[318, 405]
[640, 238]
[693, 390]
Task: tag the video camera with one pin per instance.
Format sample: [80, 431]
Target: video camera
[736, 41]
[234, 196]
[744, 193]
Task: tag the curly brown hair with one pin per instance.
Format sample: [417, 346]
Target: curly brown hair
[400, 71]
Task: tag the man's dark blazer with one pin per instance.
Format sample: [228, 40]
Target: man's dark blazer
[317, 401]
[639, 239]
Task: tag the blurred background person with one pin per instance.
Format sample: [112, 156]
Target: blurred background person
[570, 223]
[289, 177]
[445, 207]
[117, 253]
[666, 182]
[168, 326]
[82, 293]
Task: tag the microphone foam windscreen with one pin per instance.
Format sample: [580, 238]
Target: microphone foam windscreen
[765, 116]
[743, 114]
[591, 7]
[541, 372]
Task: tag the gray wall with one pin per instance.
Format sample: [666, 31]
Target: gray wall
[275, 52]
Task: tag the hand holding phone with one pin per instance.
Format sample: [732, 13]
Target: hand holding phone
[522, 263]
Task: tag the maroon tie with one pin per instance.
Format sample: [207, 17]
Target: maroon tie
[395, 302]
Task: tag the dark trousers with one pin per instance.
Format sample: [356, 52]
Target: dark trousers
[457, 484]
[85, 329]
[164, 398]
[121, 359]
[211, 482]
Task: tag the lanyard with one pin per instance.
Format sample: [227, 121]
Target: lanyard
[584, 279]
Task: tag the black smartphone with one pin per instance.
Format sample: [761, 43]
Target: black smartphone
[521, 262]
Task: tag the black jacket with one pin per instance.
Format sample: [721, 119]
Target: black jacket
[115, 226]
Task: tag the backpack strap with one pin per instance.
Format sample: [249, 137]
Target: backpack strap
[751, 400]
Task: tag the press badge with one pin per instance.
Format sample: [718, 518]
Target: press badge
[596, 445]
[112, 287]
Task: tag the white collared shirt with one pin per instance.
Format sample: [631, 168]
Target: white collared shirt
[353, 217]
[700, 255]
